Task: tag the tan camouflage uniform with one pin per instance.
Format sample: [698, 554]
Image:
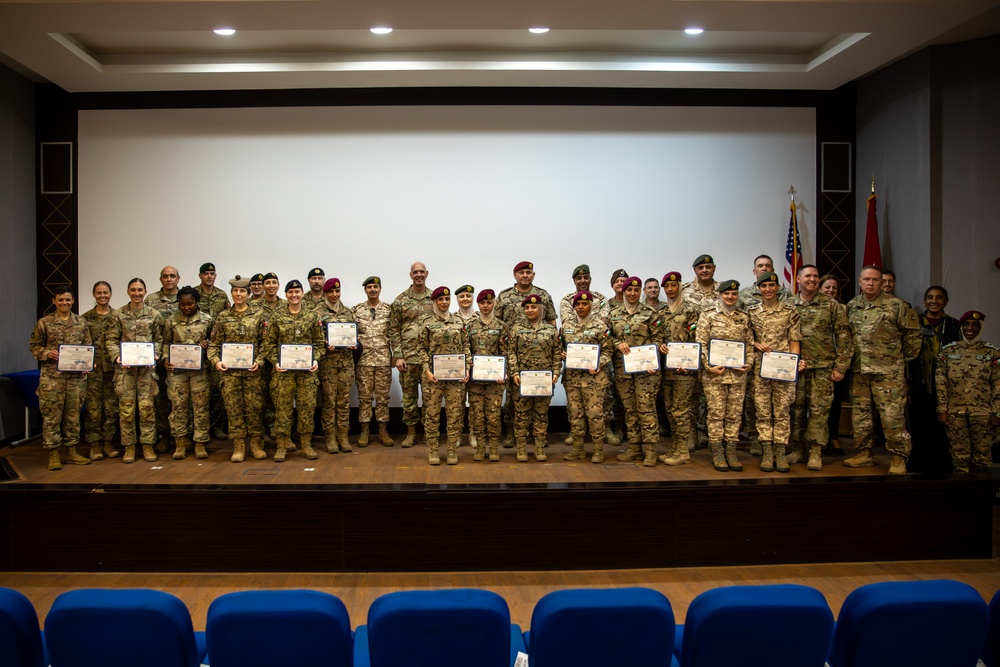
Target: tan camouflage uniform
[679, 326]
[167, 307]
[214, 302]
[702, 299]
[485, 398]
[406, 316]
[777, 328]
[968, 390]
[724, 393]
[242, 390]
[136, 386]
[189, 388]
[508, 308]
[585, 392]
[638, 390]
[749, 297]
[60, 394]
[601, 308]
[374, 369]
[532, 348]
[267, 310]
[442, 336]
[101, 402]
[336, 375]
[293, 390]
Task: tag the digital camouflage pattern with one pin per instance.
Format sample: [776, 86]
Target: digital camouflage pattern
[637, 390]
[508, 304]
[213, 302]
[242, 390]
[189, 391]
[336, 373]
[532, 348]
[601, 308]
[488, 339]
[442, 336]
[968, 391]
[585, 392]
[60, 394]
[101, 402]
[702, 298]
[293, 390]
[680, 398]
[406, 316]
[777, 327]
[724, 393]
[373, 372]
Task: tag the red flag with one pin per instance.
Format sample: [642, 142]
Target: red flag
[873, 252]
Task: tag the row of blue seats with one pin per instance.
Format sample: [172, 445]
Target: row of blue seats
[940, 623]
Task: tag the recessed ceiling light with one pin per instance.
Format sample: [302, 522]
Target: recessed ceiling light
[694, 30]
[538, 31]
[381, 30]
[225, 32]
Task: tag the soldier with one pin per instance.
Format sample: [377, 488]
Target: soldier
[725, 386]
[826, 354]
[185, 387]
[509, 300]
[269, 304]
[888, 282]
[242, 388]
[442, 334]
[534, 346]
[336, 372]
[293, 325]
[256, 287]
[101, 402]
[618, 278]
[751, 295]
[830, 285]
[60, 393]
[679, 322]
[213, 301]
[464, 295]
[406, 316]
[651, 292]
[315, 297]
[488, 336]
[374, 369]
[614, 411]
[775, 326]
[136, 386]
[703, 291]
[631, 324]
[585, 388]
[968, 394]
[886, 336]
[164, 302]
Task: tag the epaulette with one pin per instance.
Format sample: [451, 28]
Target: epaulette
[952, 344]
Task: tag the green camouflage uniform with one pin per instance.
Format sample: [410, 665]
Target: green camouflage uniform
[167, 307]
[336, 374]
[267, 310]
[968, 390]
[189, 388]
[293, 390]
[532, 348]
[637, 390]
[101, 402]
[886, 335]
[826, 346]
[679, 326]
[585, 392]
[485, 398]
[214, 302]
[242, 390]
[60, 394]
[601, 307]
[406, 317]
[374, 369]
[136, 386]
[442, 336]
[777, 328]
[508, 308]
[751, 296]
[724, 393]
[311, 302]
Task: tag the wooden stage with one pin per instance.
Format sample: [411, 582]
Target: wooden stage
[383, 509]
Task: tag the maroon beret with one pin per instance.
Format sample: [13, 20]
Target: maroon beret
[486, 295]
[441, 291]
[332, 283]
[523, 265]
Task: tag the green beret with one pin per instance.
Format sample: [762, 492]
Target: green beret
[371, 280]
[582, 270]
[703, 259]
[767, 276]
[727, 285]
[466, 289]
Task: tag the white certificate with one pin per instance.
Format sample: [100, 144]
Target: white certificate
[728, 353]
[781, 366]
[76, 358]
[536, 383]
[684, 356]
[296, 357]
[582, 356]
[237, 356]
[641, 358]
[185, 357]
[342, 334]
[448, 367]
[138, 354]
[488, 369]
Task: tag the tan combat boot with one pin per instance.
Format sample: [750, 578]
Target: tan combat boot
[95, 452]
[649, 459]
[767, 463]
[433, 452]
[598, 456]
[731, 460]
[308, 453]
[55, 463]
[577, 453]
[610, 436]
[110, 451]
[780, 462]
[792, 454]
[897, 466]
[383, 435]
[72, 456]
[331, 444]
[633, 453]
[472, 440]
[453, 452]
[239, 450]
[199, 450]
[148, 453]
[494, 450]
[815, 458]
[363, 438]
[718, 457]
[181, 451]
[508, 440]
[756, 447]
[411, 436]
[129, 454]
[540, 450]
[257, 447]
[344, 441]
[522, 451]
[283, 442]
[569, 439]
[679, 455]
[480, 449]
[861, 459]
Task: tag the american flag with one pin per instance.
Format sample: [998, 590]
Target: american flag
[793, 252]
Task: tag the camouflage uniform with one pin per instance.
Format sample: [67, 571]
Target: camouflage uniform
[374, 369]
[638, 390]
[886, 335]
[701, 299]
[679, 326]
[312, 303]
[136, 386]
[242, 390]
[267, 311]
[101, 402]
[406, 317]
[532, 348]
[508, 308]
[60, 394]
[724, 393]
[750, 296]
[485, 398]
[167, 307]
[777, 328]
[293, 389]
[214, 302]
[601, 308]
[336, 376]
[442, 336]
[189, 387]
[585, 392]
[968, 390]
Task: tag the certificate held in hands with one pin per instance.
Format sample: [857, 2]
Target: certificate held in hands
[448, 367]
[237, 356]
[582, 356]
[683, 356]
[296, 357]
[641, 359]
[780, 366]
[486, 368]
[727, 353]
[342, 334]
[138, 354]
[75, 358]
[536, 383]
[185, 357]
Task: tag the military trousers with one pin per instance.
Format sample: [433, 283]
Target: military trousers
[725, 408]
[886, 394]
[102, 406]
[485, 404]
[374, 383]
[410, 381]
[293, 391]
[244, 398]
[585, 405]
[638, 394]
[531, 417]
[60, 399]
[811, 411]
[773, 399]
[190, 394]
[137, 389]
[969, 439]
[678, 395]
[336, 382]
[452, 393]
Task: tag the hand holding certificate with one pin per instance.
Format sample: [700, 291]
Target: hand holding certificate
[237, 356]
[76, 358]
[536, 383]
[341, 334]
[641, 359]
[727, 353]
[582, 356]
[137, 354]
[448, 367]
[780, 366]
[683, 356]
[296, 358]
[488, 369]
[185, 357]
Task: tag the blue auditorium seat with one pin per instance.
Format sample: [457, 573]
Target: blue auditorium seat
[991, 649]
[20, 639]
[459, 627]
[100, 627]
[756, 626]
[601, 627]
[913, 623]
[296, 628]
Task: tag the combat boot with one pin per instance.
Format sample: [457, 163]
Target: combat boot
[650, 456]
[411, 436]
[290, 445]
[95, 452]
[72, 456]
[283, 442]
[780, 462]
[731, 460]
[344, 441]
[632, 453]
[199, 450]
[433, 452]
[508, 440]
[792, 454]
[363, 438]
[181, 451]
[522, 451]
[110, 451]
[756, 447]
[718, 457]
[305, 440]
[610, 436]
[472, 440]
[161, 446]
[598, 456]
[383, 435]
[815, 458]
[331, 444]
[679, 455]
[452, 453]
[861, 459]
[767, 463]
[480, 450]
[577, 453]
[540, 450]
[257, 447]
[239, 450]
[569, 439]
[148, 453]
[129, 454]
[55, 463]
[494, 450]
[898, 465]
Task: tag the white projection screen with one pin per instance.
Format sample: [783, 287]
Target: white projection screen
[468, 190]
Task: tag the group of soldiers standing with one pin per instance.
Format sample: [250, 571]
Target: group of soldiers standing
[874, 337]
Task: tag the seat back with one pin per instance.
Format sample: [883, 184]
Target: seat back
[991, 649]
[600, 627]
[96, 627]
[445, 628]
[296, 628]
[912, 623]
[20, 637]
[750, 626]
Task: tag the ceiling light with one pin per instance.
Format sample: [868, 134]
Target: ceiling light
[381, 30]
[538, 31]
[225, 32]
[694, 30]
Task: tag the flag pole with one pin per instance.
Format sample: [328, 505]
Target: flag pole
[795, 242]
